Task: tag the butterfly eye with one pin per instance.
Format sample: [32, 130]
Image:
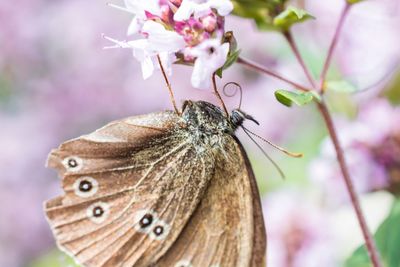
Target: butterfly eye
[85, 187]
[98, 212]
[73, 163]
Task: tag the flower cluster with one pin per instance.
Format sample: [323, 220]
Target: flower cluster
[372, 148]
[178, 31]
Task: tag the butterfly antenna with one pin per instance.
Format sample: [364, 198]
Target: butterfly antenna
[219, 96]
[291, 154]
[238, 87]
[281, 173]
[171, 93]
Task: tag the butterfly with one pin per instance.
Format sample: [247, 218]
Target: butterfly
[162, 189]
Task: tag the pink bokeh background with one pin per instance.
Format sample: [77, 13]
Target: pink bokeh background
[57, 82]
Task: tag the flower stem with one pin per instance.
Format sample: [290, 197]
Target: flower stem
[171, 93]
[333, 45]
[218, 95]
[369, 241]
[288, 36]
[250, 64]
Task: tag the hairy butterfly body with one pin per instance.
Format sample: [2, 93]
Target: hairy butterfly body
[159, 190]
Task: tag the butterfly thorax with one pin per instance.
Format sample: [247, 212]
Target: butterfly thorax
[205, 117]
[206, 124]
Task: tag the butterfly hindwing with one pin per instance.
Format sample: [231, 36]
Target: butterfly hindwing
[129, 191]
[227, 229]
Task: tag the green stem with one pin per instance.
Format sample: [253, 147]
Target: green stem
[250, 64]
[333, 45]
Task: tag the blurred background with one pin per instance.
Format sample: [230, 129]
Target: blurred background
[57, 82]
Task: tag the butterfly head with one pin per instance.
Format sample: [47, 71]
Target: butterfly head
[238, 117]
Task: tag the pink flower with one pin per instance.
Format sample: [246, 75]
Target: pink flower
[186, 29]
[210, 55]
[297, 232]
[200, 8]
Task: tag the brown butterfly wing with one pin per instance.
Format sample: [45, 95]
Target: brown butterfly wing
[227, 229]
[115, 176]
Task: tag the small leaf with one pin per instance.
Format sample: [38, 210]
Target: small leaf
[354, 1]
[387, 239]
[261, 11]
[340, 86]
[287, 98]
[392, 92]
[232, 58]
[291, 16]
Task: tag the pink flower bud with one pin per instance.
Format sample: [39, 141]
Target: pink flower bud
[209, 22]
[176, 2]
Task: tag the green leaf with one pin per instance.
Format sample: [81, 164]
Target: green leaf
[392, 92]
[232, 58]
[291, 16]
[354, 1]
[261, 11]
[387, 239]
[287, 98]
[340, 86]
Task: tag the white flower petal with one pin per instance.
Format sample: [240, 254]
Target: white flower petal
[185, 10]
[139, 7]
[202, 8]
[201, 75]
[167, 59]
[210, 56]
[140, 51]
[162, 40]
[224, 7]
[220, 56]
[135, 26]
[147, 67]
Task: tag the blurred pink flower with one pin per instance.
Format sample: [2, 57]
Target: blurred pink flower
[372, 150]
[367, 51]
[297, 232]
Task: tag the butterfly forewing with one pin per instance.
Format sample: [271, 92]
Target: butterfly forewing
[128, 191]
[227, 229]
